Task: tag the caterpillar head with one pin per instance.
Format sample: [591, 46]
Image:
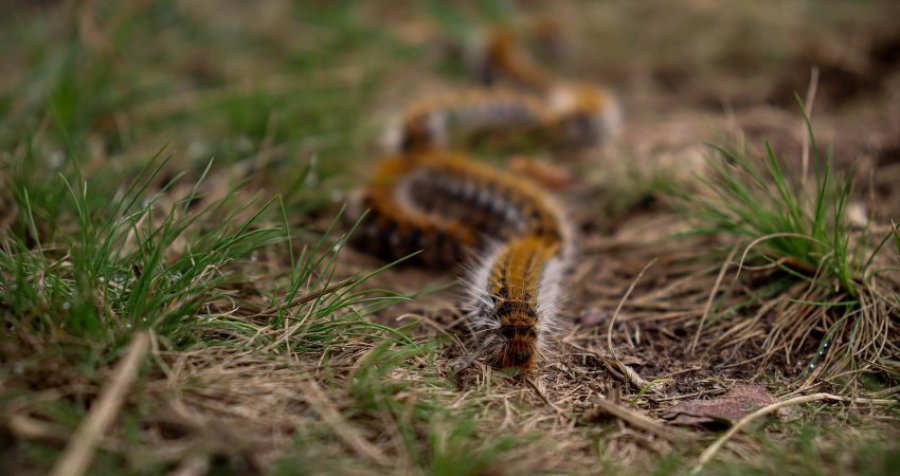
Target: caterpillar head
[507, 329]
[518, 347]
[517, 333]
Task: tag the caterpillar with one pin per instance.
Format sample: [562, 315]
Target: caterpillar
[568, 115]
[396, 227]
[501, 59]
[423, 198]
[514, 299]
[584, 114]
[446, 205]
[427, 197]
[458, 116]
[587, 114]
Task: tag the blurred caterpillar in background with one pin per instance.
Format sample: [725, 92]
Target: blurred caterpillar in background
[428, 198]
[460, 116]
[501, 59]
[567, 115]
[571, 115]
[585, 114]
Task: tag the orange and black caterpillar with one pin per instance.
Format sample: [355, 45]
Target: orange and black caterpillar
[568, 115]
[445, 204]
[427, 198]
[442, 203]
[450, 118]
[514, 298]
[586, 114]
[501, 59]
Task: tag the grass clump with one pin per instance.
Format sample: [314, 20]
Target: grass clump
[125, 262]
[788, 229]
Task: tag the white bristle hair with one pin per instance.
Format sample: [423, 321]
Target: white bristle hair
[476, 286]
[608, 121]
[549, 300]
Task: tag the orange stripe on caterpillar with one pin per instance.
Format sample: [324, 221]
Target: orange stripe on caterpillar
[393, 230]
[512, 203]
[442, 203]
[547, 174]
[571, 114]
[503, 59]
[461, 115]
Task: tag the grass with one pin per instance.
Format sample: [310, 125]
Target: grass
[779, 219]
[180, 168]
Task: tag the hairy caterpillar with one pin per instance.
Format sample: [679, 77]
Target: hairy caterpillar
[428, 198]
[395, 227]
[514, 299]
[444, 203]
[584, 114]
[501, 59]
[572, 114]
[456, 116]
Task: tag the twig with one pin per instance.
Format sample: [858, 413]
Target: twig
[635, 378]
[639, 421]
[628, 372]
[80, 449]
[612, 320]
[712, 296]
[711, 451]
[543, 395]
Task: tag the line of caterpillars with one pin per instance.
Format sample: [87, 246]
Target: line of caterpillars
[429, 197]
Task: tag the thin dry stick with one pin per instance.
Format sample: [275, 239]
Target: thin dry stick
[711, 451]
[543, 395]
[80, 449]
[639, 421]
[712, 296]
[808, 106]
[629, 373]
[612, 320]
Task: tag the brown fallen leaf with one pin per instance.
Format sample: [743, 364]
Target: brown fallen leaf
[729, 408]
[592, 317]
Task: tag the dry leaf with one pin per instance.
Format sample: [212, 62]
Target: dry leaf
[734, 405]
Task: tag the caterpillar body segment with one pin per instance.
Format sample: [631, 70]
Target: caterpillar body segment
[394, 229]
[566, 115]
[443, 203]
[502, 60]
[463, 115]
[489, 200]
[584, 114]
